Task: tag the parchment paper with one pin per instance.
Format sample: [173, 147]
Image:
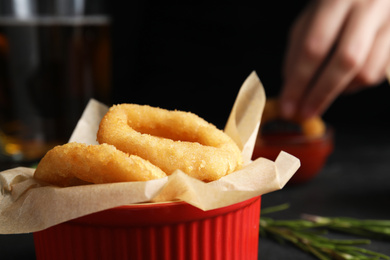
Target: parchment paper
[27, 205]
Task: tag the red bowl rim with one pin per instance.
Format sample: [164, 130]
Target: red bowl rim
[156, 214]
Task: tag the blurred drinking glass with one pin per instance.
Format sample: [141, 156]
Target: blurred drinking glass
[54, 56]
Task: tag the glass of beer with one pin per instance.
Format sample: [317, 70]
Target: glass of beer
[54, 57]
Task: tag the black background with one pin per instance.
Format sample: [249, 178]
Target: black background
[194, 56]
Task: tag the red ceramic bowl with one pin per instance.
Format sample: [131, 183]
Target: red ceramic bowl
[166, 231]
[312, 152]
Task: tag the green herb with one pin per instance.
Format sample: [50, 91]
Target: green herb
[309, 234]
[379, 229]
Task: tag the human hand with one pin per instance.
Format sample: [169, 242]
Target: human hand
[335, 46]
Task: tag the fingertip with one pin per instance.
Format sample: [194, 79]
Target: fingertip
[307, 112]
[287, 108]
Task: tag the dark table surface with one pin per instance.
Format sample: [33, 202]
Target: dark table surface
[354, 183]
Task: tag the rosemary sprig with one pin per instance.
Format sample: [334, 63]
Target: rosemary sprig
[308, 234]
[379, 229]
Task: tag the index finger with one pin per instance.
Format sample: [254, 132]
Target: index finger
[311, 40]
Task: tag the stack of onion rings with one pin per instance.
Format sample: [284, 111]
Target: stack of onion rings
[171, 140]
[140, 143]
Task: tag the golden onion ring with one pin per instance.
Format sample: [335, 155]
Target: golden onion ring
[171, 140]
[312, 127]
[76, 163]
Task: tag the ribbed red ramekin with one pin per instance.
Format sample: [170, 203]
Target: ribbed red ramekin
[167, 231]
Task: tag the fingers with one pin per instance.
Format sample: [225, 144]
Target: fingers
[352, 51]
[344, 42]
[388, 72]
[374, 69]
[312, 38]
[294, 87]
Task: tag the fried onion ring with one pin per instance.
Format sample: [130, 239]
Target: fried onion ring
[312, 127]
[171, 140]
[77, 163]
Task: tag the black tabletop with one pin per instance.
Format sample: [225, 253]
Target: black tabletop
[354, 183]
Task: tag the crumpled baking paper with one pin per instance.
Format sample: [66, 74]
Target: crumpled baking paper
[27, 205]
